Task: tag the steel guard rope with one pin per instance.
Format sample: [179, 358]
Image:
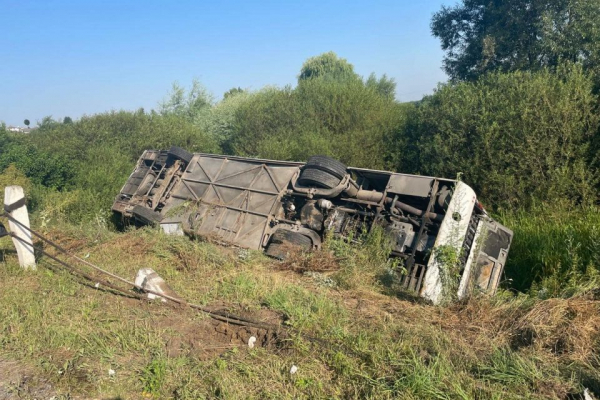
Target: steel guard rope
[220, 316]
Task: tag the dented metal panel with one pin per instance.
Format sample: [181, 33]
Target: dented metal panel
[265, 204]
[236, 199]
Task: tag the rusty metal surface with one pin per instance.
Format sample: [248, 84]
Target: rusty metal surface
[243, 201]
[492, 256]
[236, 199]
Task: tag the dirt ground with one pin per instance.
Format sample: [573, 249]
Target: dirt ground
[210, 338]
[17, 382]
[203, 340]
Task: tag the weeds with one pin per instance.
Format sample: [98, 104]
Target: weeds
[355, 341]
[364, 259]
[555, 251]
[449, 261]
[153, 376]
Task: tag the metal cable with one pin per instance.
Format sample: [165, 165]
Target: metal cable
[223, 317]
[219, 316]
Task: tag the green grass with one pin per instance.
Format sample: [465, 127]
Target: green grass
[555, 251]
[355, 339]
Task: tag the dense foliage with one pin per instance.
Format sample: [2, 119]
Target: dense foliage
[525, 140]
[518, 138]
[481, 35]
[89, 160]
[348, 120]
[327, 66]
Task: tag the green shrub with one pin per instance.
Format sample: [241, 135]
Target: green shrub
[13, 176]
[130, 133]
[517, 137]
[347, 120]
[41, 166]
[88, 161]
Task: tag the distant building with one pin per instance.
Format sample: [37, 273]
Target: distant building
[19, 129]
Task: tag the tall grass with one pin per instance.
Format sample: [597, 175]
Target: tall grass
[353, 343]
[555, 251]
[364, 259]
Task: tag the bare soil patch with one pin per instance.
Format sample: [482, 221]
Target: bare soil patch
[207, 338]
[17, 381]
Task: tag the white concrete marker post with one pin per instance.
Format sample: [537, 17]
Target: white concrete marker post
[148, 279]
[24, 247]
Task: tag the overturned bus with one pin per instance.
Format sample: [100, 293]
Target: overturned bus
[274, 205]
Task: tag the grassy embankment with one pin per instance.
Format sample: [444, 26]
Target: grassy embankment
[354, 334]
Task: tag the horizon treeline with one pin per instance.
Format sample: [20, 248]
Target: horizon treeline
[523, 132]
[518, 138]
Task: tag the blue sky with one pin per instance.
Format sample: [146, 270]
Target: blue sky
[70, 58]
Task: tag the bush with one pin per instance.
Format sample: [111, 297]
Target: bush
[42, 167]
[516, 137]
[88, 161]
[12, 176]
[346, 120]
[129, 133]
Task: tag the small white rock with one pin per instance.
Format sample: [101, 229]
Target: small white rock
[111, 372]
[293, 370]
[97, 285]
[251, 342]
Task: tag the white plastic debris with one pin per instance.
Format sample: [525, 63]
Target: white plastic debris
[97, 285]
[251, 342]
[293, 370]
[587, 395]
[111, 372]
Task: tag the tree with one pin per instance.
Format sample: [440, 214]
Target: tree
[328, 66]
[233, 91]
[47, 122]
[193, 104]
[67, 120]
[384, 86]
[482, 35]
[4, 140]
[348, 121]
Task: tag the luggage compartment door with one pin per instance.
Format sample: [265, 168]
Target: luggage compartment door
[235, 199]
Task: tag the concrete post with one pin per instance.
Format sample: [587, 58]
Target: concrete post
[25, 250]
[147, 278]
